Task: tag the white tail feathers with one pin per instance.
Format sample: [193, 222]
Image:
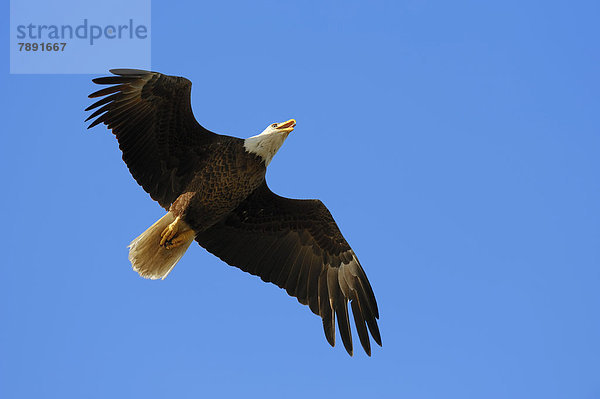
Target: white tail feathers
[149, 258]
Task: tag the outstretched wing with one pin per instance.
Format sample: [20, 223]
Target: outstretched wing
[151, 116]
[297, 245]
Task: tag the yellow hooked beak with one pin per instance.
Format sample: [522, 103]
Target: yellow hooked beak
[285, 127]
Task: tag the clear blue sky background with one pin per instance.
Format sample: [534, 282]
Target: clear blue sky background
[456, 144]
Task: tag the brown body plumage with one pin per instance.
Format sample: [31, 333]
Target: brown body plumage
[213, 187]
[226, 178]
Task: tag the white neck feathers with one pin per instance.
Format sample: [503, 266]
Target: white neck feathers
[265, 144]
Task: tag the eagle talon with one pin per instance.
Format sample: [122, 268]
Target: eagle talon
[179, 239]
[169, 233]
[175, 234]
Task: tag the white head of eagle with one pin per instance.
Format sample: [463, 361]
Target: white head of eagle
[270, 140]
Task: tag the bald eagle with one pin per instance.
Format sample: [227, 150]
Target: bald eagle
[214, 191]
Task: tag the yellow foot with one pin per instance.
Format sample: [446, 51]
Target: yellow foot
[180, 239]
[175, 234]
[169, 232]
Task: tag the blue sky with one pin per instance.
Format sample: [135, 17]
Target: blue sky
[455, 143]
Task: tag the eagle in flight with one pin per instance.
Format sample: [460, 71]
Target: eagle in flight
[214, 191]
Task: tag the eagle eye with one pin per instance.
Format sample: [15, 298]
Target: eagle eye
[274, 125]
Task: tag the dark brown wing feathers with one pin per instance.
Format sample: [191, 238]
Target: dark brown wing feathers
[151, 116]
[297, 245]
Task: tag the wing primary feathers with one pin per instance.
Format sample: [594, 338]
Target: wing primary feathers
[340, 307]
[125, 71]
[361, 328]
[111, 80]
[107, 90]
[325, 309]
[366, 286]
[96, 122]
[353, 285]
[103, 101]
[126, 110]
[141, 116]
[99, 111]
[372, 324]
